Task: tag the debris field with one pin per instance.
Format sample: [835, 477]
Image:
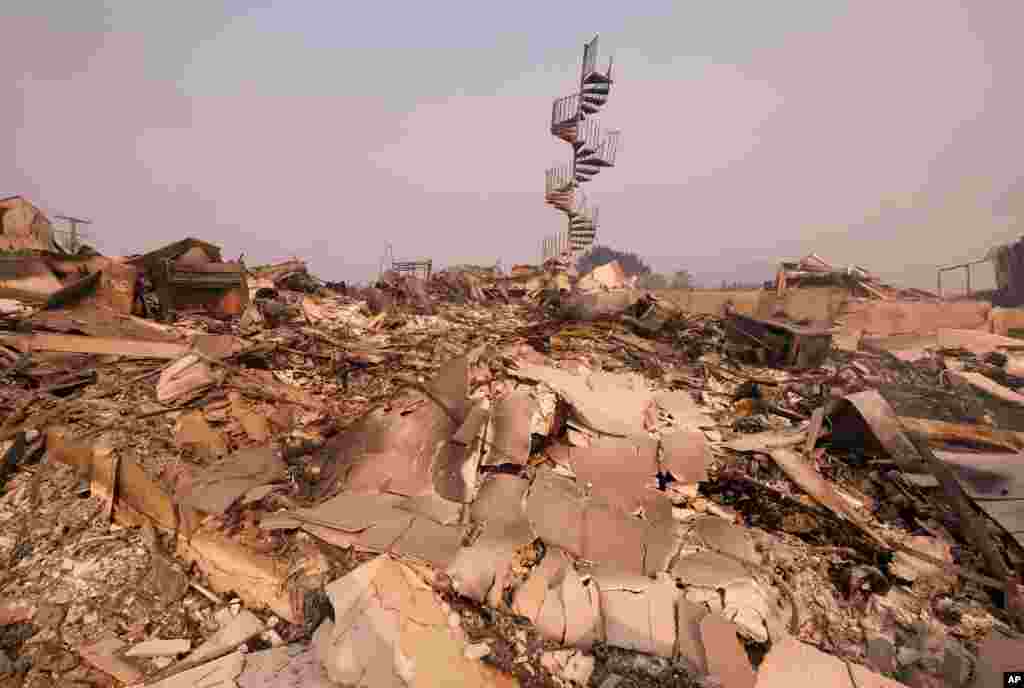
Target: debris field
[485, 480]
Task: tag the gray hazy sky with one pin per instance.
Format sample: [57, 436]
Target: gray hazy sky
[874, 132]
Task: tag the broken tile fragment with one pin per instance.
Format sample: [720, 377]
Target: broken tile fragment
[709, 570]
[791, 663]
[510, 429]
[479, 571]
[683, 409]
[727, 660]
[689, 646]
[592, 529]
[623, 475]
[686, 456]
[639, 613]
[726, 537]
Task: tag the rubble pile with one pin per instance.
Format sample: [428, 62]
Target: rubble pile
[487, 480]
[812, 270]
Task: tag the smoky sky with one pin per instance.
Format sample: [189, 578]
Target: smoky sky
[874, 133]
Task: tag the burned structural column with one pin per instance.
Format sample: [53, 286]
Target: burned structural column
[593, 148]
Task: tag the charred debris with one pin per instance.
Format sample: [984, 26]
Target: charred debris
[212, 474]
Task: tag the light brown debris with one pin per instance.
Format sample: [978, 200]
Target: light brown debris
[686, 456]
[255, 425]
[480, 571]
[810, 481]
[170, 647]
[639, 613]
[725, 656]
[215, 489]
[911, 568]
[997, 654]
[708, 569]
[976, 436]
[621, 475]
[94, 345]
[185, 377]
[611, 404]
[219, 673]
[976, 341]
[689, 645]
[378, 523]
[278, 668]
[234, 631]
[988, 386]
[106, 655]
[793, 664]
[683, 409]
[593, 529]
[510, 429]
[391, 630]
[191, 431]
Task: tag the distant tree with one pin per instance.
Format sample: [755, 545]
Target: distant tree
[631, 263]
[653, 280]
[682, 279]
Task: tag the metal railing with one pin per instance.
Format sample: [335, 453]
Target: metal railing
[565, 110]
[557, 178]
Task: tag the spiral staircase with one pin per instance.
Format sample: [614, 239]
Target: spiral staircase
[573, 120]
